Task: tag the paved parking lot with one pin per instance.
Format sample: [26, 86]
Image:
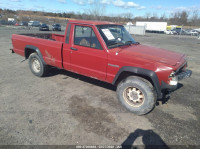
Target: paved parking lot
[68, 109]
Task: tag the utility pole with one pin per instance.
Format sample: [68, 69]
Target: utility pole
[181, 31]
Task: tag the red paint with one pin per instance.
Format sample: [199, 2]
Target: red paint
[95, 63]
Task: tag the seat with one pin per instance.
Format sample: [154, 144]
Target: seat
[93, 45]
[84, 42]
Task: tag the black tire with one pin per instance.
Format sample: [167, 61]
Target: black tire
[136, 95]
[36, 65]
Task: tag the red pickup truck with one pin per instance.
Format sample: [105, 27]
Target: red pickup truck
[107, 52]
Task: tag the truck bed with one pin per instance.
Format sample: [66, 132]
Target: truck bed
[50, 46]
[55, 37]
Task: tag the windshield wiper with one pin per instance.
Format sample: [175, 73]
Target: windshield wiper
[136, 43]
[117, 44]
[126, 43]
[129, 42]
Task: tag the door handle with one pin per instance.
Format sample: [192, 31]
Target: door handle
[75, 49]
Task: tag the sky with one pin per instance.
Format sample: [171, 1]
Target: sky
[112, 7]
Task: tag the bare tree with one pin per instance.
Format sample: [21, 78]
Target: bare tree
[163, 17]
[154, 17]
[179, 18]
[147, 15]
[128, 16]
[184, 17]
[195, 19]
[96, 10]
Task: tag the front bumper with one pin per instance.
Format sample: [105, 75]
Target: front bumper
[178, 77]
[184, 75]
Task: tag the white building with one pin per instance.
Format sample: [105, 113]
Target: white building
[153, 26]
[11, 19]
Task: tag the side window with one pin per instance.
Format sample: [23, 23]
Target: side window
[68, 33]
[84, 36]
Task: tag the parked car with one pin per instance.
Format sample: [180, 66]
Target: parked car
[3, 22]
[197, 29]
[30, 23]
[193, 32]
[141, 73]
[23, 23]
[56, 27]
[11, 22]
[168, 32]
[34, 23]
[44, 27]
[176, 31]
[185, 32]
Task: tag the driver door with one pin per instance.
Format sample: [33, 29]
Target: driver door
[87, 55]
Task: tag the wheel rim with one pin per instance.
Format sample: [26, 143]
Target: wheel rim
[133, 96]
[36, 65]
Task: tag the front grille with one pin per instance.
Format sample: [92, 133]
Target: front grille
[181, 69]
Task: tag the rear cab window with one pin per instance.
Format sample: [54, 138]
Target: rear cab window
[68, 33]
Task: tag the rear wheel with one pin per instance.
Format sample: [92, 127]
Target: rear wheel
[36, 65]
[136, 95]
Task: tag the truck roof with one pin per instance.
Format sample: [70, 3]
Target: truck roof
[91, 22]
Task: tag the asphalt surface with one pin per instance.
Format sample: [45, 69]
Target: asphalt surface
[68, 109]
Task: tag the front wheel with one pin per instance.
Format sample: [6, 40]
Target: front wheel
[37, 67]
[136, 95]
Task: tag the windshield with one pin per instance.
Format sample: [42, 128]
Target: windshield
[115, 35]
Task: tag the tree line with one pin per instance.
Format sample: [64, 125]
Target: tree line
[96, 12]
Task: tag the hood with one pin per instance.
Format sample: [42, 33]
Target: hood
[151, 53]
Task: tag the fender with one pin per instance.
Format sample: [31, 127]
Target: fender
[140, 71]
[35, 49]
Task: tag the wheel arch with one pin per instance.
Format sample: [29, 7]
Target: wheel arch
[149, 75]
[32, 49]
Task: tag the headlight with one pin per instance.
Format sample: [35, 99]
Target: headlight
[172, 74]
[173, 79]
